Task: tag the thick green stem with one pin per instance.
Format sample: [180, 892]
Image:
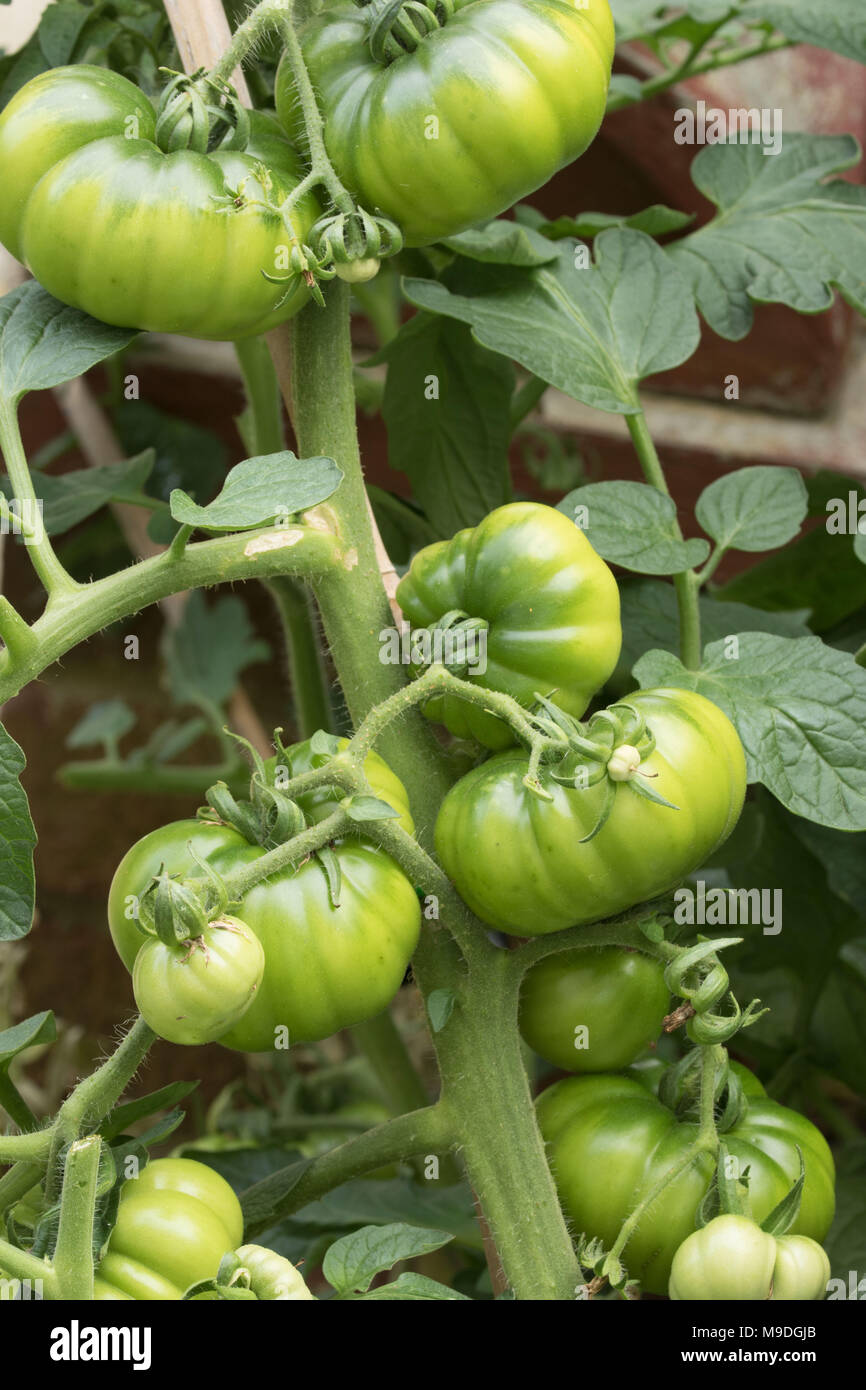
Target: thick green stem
[277, 1196]
[310, 692]
[300, 550]
[73, 1254]
[33, 1146]
[351, 599]
[484, 1081]
[685, 584]
[498, 1139]
[18, 1181]
[264, 17]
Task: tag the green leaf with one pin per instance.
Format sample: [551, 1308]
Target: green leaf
[781, 236]
[105, 722]
[187, 456]
[780, 1220]
[44, 342]
[759, 508]
[839, 25]
[593, 332]
[210, 647]
[440, 1006]
[837, 1028]
[656, 221]
[30, 1032]
[819, 572]
[17, 842]
[415, 1286]
[800, 710]
[72, 497]
[269, 488]
[633, 525]
[130, 1112]
[502, 243]
[353, 1262]
[446, 408]
[60, 28]
[650, 618]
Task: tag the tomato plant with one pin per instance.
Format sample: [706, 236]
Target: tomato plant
[445, 766]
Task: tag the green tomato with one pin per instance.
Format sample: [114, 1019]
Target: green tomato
[588, 1011]
[522, 863]
[801, 1271]
[323, 801]
[729, 1259]
[610, 1141]
[136, 237]
[272, 1276]
[326, 968]
[198, 992]
[175, 1221]
[485, 110]
[550, 603]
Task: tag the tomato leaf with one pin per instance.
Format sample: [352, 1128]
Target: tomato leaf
[501, 242]
[44, 342]
[781, 236]
[105, 722]
[352, 1263]
[799, 707]
[415, 1286]
[270, 488]
[839, 25]
[446, 409]
[759, 508]
[17, 842]
[593, 329]
[366, 808]
[130, 1112]
[633, 525]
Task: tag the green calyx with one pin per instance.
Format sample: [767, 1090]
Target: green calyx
[399, 26]
[610, 748]
[178, 912]
[680, 1090]
[452, 641]
[195, 113]
[354, 238]
[697, 976]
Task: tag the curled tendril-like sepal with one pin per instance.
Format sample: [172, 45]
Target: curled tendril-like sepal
[356, 238]
[399, 26]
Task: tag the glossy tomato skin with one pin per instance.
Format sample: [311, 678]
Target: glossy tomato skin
[194, 994]
[618, 997]
[175, 1222]
[326, 968]
[610, 1140]
[483, 112]
[730, 1259]
[518, 860]
[110, 224]
[551, 603]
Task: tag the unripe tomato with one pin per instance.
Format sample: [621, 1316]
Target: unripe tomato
[730, 1258]
[589, 1011]
[111, 224]
[610, 1140]
[196, 993]
[550, 603]
[483, 111]
[523, 864]
[175, 1222]
[326, 967]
